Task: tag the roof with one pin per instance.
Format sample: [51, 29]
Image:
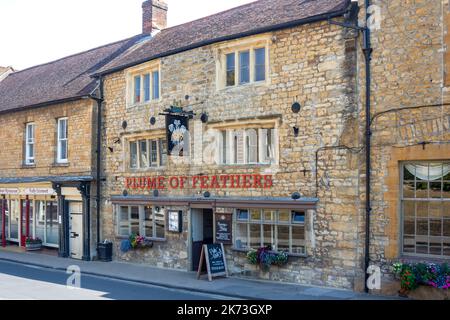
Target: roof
[61, 80]
[253, 18]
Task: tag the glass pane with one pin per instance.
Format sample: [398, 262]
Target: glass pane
[422, 227]
[446, 209]
[446, 228]
[283, 238]
[143, 154]
[269, 235]
[435, 190]
[160, 224]
[255, 214]
[435, 227]
[298, 217]
[435, 209]
[14, 215]
[422, 209]
[241, 236]
[436, 245]
[408, 189]
[62, 131]
[422, 190]
[63, 149]
[421, 171]
[163, 152]
[446, 247]
[133, 154]
[26, 219]
[148, 222]
[409, 244]
[446, 190]
[242, 215]
[40, 220]
[154, 153]
[283, 216]
[260, 64]
[409, 227]
[255, 235]
[422, 248]
[269, 215]
[52, 227]
[224, 135]
[134, 220]
[137, 89]
[244, 67]
[298, 239]
[407, 175]
[409, 209]
[147, 87]
[155, 87]
[231, 71]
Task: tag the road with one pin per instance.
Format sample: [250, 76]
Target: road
[25, 282]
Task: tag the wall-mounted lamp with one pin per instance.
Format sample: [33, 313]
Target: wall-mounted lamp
[296, 196]
[152, 121]
[296, 107]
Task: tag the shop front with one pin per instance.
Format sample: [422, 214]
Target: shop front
[54, 214]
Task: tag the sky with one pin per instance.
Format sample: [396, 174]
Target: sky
[33, 32]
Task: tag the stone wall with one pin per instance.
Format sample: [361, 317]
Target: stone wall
[313, 64]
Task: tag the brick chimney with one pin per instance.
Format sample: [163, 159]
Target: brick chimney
[154, 16]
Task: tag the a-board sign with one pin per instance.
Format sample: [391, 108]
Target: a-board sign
[224, 224]
[216, 265]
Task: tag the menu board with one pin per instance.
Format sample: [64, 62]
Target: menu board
[224, 225]
[216, 264]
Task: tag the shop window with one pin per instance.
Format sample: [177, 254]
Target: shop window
[29, 143]
[425, 206]
[147, 221]
[62, 143]
[243, 65]
[247, 146]
[144, 85]
[146, 153]
[281, 229]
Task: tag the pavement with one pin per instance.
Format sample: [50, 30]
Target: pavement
[231, 287]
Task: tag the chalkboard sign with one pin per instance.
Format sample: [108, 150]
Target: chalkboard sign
[224, 228]
[216, 264]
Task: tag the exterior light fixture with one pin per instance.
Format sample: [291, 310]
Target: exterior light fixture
[296, 107]
[296, 196]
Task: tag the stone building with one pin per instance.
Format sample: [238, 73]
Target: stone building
[261, 99]
[48, 153]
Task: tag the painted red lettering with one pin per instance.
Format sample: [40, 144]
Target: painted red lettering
[215, 183]
[183, 180]
[174, 182]
[204, 182]
[268, 182]
[224, 179]
[235, 181]
[257, 181]
[195, 180]
[161, 181]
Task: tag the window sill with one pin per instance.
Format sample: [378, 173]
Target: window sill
[248, 165]
[418, 259]
[143, 104]
[244, 85]
[147, 169]
[28, 166]
[297, 255]
[61, 164]
[146, 238]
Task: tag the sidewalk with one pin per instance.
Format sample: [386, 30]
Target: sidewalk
[229, 287]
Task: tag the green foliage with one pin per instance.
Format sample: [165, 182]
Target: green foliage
[265, 257]
[412, 275]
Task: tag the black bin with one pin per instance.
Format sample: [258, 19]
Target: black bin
[104, 251]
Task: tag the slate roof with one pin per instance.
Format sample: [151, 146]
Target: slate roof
[68, 78]
[71, 78]
[253, 18]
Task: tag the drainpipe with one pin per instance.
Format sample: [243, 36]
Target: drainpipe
[368, 56]
[99, 101]
[3, 222]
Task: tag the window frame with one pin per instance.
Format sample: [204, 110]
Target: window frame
[141, 219]
[59, 159]
[428, 200]
[275, 222]
[158, 141]
[28, 159]
[148, 69]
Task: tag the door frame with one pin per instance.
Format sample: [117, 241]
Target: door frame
[191, 228]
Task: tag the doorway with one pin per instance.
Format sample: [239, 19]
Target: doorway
[202, 233]
[76, 229]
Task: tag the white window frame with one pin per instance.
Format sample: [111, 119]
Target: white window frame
[30, 143]
[141, 71]
[59, 159]
[237, 47]
[118, 209]
[149, 141]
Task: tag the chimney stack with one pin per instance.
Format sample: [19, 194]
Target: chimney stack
[154, 16]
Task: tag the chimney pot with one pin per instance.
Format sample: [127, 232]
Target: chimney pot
[154, 16]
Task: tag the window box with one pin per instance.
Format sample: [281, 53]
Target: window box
[33, 244]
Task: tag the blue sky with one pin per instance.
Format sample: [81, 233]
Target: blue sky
[38, 31]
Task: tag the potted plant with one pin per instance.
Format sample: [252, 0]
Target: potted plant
[135, 242]
[265, 257]
[32, 244]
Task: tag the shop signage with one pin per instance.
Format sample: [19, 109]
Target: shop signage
[229, 181]
[27, 191]
[224, 228]
[175, 221]
[216, 264]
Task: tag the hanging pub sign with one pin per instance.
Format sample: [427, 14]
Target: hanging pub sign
[177, 127]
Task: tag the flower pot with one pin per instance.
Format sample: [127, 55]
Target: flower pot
[33, 246]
